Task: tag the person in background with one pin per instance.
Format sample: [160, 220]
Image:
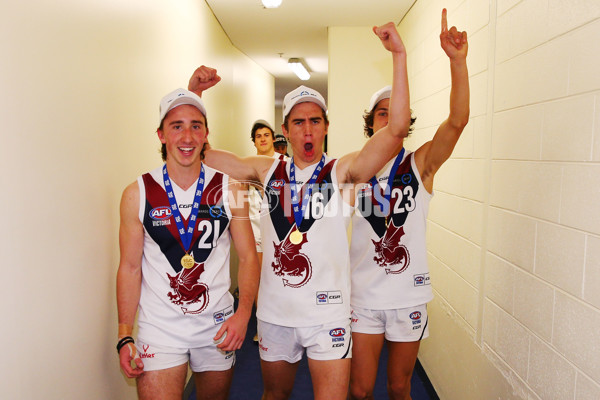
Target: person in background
[263, 139]
[390, 277]
[281, 145]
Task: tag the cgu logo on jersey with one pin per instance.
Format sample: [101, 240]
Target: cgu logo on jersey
[293, 266]
[160, 213]
[389, 253]
[188, 292]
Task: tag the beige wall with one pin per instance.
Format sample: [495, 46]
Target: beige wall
[358, 65]
[80, 84]
[514, 227]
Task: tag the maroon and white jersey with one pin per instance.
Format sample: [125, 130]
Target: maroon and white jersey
[307, 283]
[255, 202]
[388, 255]
[177, 306]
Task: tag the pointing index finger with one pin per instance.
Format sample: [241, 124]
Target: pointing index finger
[444, 21]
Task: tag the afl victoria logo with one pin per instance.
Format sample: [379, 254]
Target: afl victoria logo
[160, 213]
[337, 332]
[415, 315]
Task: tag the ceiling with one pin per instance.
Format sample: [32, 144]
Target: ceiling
[298, 28]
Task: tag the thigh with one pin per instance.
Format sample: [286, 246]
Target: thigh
[164, 384]
[278, 378]
[213, 385]
[401, 360]
[366, 350]
[330, 378]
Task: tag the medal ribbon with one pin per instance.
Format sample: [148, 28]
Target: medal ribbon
[299, 210]
[186, 235]
[388, 190]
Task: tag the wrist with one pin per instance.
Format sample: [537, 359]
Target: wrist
[123, 342]
[125, 330]
[244, 309]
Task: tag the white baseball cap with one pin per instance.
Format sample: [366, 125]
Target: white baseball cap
[300, 95]
[381, 94]
[177, 98]
[262, 122]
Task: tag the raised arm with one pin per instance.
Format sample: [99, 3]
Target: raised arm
[433, 154]
[248, 272]
[203, 79]
[253, 168]
[361, 166]
[129, 276]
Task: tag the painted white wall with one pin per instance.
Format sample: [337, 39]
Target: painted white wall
[514, 229]
[80, 85]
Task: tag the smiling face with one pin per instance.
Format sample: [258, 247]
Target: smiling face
[306, 129]
[263, 141]
[184, 134]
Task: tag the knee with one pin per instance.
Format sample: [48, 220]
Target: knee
[399, 389]
[360, 393]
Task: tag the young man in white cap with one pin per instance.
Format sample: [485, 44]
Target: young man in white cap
[263, 137]
[390, 277]
[177, 223]
[304, 291]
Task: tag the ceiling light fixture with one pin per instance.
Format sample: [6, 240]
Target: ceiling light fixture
[271, 3]
[297, 65]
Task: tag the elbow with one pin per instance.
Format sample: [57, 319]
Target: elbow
[459, 122]
[400, 128]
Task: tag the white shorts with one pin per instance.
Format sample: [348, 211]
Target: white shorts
[207, 358]
[399, 325]
[330, 341]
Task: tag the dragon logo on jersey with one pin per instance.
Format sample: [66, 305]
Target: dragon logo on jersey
[293, 266]
[390, 254]
[188, 292]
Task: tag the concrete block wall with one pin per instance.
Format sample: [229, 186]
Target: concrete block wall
[514, 227]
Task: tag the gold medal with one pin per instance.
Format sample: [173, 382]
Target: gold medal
[187, 261]
[296, 237]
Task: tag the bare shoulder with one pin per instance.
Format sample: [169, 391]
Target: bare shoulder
[130, 199]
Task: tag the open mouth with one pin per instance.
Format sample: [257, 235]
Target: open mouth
[308, 146]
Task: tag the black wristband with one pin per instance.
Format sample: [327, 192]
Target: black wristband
[123, 341]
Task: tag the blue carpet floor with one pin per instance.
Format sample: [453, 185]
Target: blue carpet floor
[247, 379]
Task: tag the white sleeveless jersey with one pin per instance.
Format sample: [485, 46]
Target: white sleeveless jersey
[388, 255]
[307, 283]
[254, 203]
[177, 306]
